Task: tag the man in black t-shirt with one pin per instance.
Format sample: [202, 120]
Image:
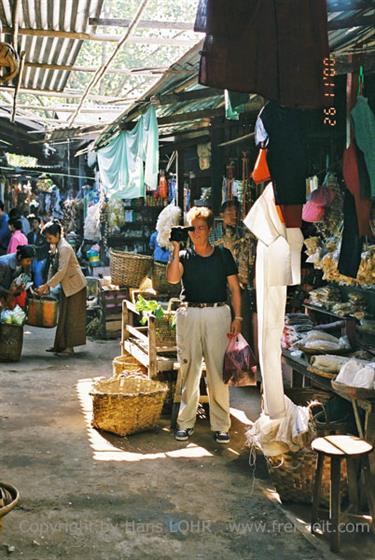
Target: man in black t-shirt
[203, 322]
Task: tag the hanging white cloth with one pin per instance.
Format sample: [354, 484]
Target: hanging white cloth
[278, 264]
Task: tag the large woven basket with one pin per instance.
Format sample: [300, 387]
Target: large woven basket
[293, 473]
[129, 269]
[160, 283]
[126, 363]
[293, 477]
[126, 405]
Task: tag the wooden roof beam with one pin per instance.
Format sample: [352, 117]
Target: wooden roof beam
[104, 67]
[191, 116]
[151, 71]
[64, 94]
[195, 94]
[71, 109]
[96, 37]
[144, 24]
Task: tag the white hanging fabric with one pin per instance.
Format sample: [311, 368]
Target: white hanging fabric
[278, 265]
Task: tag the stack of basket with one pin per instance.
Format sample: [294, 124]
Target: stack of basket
[129, 269]
[126, 363]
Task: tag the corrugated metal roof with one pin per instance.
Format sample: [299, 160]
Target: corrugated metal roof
[59, 15]
[73, 15]
[345, 40]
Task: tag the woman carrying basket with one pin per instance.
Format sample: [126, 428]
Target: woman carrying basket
[71, 326]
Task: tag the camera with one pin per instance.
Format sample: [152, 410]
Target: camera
[180, 233]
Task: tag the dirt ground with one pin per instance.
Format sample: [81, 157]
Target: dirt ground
[86, 494]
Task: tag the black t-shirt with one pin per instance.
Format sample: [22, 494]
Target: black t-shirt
[205, 278]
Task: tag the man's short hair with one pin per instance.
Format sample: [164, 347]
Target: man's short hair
[201, 212]
[16, 223]
[233, 203]
[1, 205]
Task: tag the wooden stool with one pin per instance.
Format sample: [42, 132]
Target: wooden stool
[341, 447]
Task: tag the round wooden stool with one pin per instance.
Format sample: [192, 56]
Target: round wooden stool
[337, 448]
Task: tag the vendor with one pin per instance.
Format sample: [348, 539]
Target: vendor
[203, 322]
[71, 327]
[11, 267]
[160, 254]
[242, 244]
[36, 238]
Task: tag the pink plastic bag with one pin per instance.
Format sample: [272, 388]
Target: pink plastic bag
[239, 363]
[313, 210]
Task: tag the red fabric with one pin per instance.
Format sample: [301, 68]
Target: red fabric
[261, 173]
[21, 299]
[292, 215]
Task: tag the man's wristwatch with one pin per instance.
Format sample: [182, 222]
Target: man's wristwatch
[237, 318]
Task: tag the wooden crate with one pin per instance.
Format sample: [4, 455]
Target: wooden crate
[111, 303]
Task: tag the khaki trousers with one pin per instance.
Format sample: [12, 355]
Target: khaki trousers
[202, 333]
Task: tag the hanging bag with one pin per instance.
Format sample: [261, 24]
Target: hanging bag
[261, 173]
[239, 363]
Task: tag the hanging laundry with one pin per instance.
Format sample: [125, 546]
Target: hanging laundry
[204, 155]
[278, 264]
[234, 104]
[270, 47]
[281, 129]
[364, 133]
[131, 160]
[352, 242]
[354, 167]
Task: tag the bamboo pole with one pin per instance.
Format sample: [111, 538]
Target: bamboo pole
[69, 68]
[19, 79]
[80, 36]
[144, 23]
[65, 94]
[15, 20]
[103, 69]
[71, 109]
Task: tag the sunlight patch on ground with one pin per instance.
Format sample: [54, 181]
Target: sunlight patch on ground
[241, 416]
[103, 450]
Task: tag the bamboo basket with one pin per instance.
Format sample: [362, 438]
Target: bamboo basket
[126, 363]
[160, 283]
[129, 269]
[9, 497]
[11, 342]
[293, 473]
[126, 405]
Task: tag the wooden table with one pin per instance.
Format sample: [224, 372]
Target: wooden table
[302, 377]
